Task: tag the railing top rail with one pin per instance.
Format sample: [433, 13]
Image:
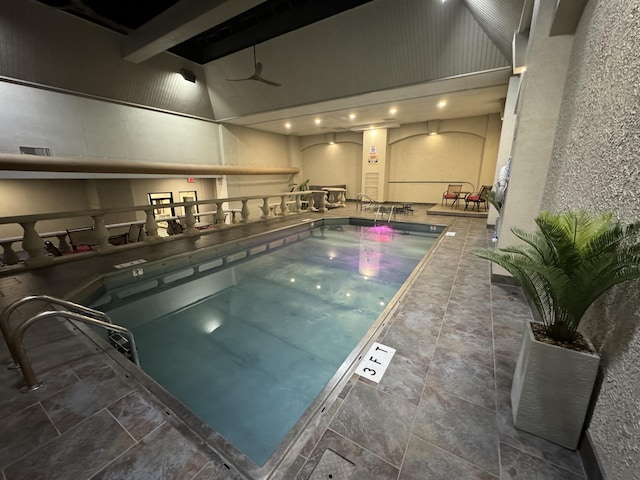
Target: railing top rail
[90, 213]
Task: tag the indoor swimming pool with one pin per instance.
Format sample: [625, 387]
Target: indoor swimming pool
[249, 340]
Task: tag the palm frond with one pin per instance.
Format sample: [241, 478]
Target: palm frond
[568, 263]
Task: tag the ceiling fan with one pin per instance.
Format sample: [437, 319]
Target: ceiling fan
[257, 70]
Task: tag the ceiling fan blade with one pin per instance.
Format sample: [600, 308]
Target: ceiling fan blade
[256, 73]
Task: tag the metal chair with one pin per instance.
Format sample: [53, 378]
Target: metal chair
[406, 208]
[82, 239]
[478, 198]
[452, 193]
[135, 233]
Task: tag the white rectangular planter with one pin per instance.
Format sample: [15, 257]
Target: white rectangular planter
[551, 390]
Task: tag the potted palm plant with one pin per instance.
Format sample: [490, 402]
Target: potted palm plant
[563, 267]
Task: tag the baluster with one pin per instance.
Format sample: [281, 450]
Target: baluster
[245, 211]
[311, 204]
[190, 220]
[283, 205]
[9, 257]
[151, 227]
[220, 217]
[298, 203]
[34, 245]
[101, 233]
[63, 246]
[265, 208]
[322, 203]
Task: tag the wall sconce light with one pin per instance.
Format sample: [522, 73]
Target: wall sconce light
[188, 75]
[331, 138]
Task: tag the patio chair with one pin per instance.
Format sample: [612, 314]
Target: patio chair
[174, 228]
[452, 193]
[135, 233]
[406, 208]
[82, 239]
[478, 198]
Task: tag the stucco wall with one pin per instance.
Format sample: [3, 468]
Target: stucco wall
[248, 147]
[465, 150]
[337, 164]
[595, 165]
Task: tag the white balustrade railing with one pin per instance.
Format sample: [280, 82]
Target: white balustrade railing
[34, 246]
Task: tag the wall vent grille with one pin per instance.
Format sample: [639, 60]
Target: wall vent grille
[41, 151]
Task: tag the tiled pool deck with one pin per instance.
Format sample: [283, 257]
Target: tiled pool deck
[442, 410]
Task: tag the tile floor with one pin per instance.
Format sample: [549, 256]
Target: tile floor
[442, 410]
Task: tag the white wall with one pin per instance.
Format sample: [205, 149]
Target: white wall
[80, 127]
[337, 164]
[248, 147]
[464, 151]
[46, 46]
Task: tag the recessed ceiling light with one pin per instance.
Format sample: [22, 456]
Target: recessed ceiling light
[393, 111]
[317, 120]
[352, 116]
[287, 125]
[442, 104]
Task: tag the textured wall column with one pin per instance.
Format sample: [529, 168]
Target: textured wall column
[540, 98]
[596, 166]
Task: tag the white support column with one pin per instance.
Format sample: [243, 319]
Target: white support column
[374, 163]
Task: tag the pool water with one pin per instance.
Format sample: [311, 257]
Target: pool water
[263, 337]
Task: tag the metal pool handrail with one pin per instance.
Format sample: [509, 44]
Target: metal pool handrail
[74, 307]
[16, 346]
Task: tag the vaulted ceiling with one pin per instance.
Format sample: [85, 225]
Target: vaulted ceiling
[403, 54]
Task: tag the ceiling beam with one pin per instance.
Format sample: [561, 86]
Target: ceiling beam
[181, 22]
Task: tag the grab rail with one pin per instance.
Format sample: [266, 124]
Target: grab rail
[74, 307]
[362, 196]
[16, 346]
